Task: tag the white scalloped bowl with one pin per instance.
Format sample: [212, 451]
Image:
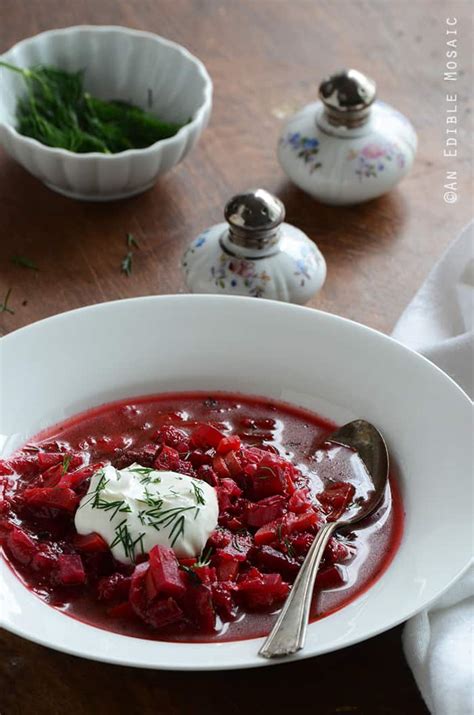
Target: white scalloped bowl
[139, 67]
[71, 362]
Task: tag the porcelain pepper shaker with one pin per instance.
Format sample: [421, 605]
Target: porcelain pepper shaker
[348, 147]
[255, 253]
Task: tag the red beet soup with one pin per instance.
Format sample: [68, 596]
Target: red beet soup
[276, 481]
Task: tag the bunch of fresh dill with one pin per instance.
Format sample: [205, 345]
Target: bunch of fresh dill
[58, 112]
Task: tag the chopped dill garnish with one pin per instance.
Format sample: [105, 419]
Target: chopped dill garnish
[4, 307]
[198, 493]
[123, 536]
[131, 241]
[126, 264]
[204, 559]
[66, 462]
[24, 262]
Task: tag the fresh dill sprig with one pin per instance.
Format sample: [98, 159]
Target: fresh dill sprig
[123, 536]
[66, 462]
[204, 559]
[24, 262]
[198, 493]
[4, 307]
[132, 241]
[57, 111]
[126, 264]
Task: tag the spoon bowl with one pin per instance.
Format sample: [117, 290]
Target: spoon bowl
[289, 632]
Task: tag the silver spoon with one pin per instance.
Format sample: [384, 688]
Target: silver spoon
[289, 632]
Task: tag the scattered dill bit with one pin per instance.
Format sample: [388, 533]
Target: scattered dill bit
[66, 462]
[123, 536]
[204, 559]
[191, 573]
[57, 111]
[24, 262]
[177, 530]
[289, 547]
[95, 495]
[4, 307]
[126, 264]
[198, 493]
[131, 241]
[266, 476]
[279, 532]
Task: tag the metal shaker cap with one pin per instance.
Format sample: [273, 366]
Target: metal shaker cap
[347, 96]
[254, 217]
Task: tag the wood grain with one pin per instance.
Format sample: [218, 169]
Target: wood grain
[266, 58]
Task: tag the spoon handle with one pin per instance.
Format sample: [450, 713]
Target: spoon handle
[289, 632]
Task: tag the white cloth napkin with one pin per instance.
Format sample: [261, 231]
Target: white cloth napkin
[438, 642]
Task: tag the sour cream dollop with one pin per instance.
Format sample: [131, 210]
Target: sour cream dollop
[134, 509]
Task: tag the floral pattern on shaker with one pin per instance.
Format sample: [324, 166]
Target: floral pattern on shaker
[197, 243]
[373, 158]
[305, 264]
[306, 148]
[231, 271]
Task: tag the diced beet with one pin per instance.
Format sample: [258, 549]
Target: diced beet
[228, 444]
[301, 542]
[299, 501]
[270, 559]
[137, 593]
[266, 510]
[223, 600]
[227, 492]
[45, 561]
[227, 569]
[302, 522]
[234, 464]
[173, 437]
[206, 436]
[116, 586]
[335, 499]
[144, 456]
[219, 538]
[270, 532]
[335, 552]
[61, 498]
[122, 610]
[163, 612]
[200, 607]
[220, 467]
[72, 480]
[89, 542]
[5, 468]
[269, 478]
[51, 477]
[206, 574]
[71, 570]
[236, 549]
[167, 460]
[25, 464]
[331, 577]
[21, 546]
[198, 458]
[207, 474]
[164, 577]
[263, 591]
[185, 467]
[49, 459]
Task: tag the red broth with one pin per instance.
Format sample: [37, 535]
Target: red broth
[108, 432]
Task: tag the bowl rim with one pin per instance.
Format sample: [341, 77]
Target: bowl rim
[210, 651]
[182, 133]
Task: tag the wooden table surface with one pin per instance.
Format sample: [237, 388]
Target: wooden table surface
[266, 58]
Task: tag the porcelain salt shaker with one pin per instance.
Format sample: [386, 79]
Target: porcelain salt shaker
[348, 147]
[255, 253]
